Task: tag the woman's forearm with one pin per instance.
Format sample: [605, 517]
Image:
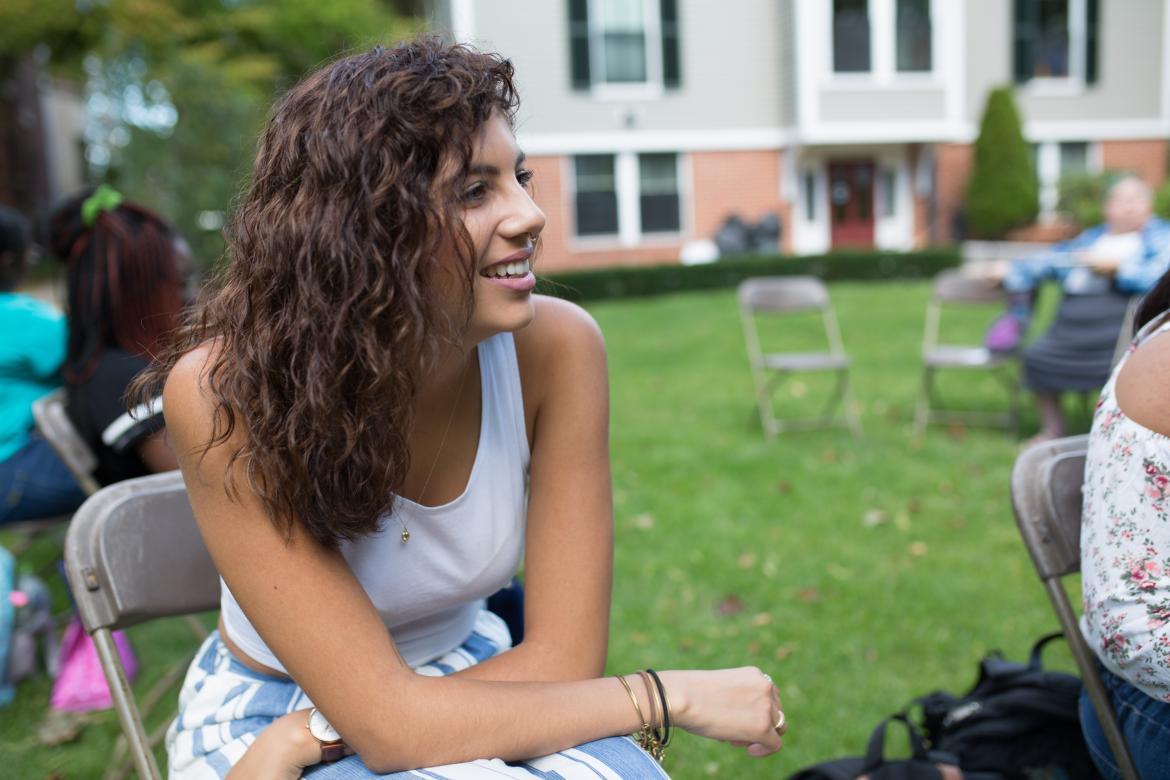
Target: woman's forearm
[533, 661]
[457, 719]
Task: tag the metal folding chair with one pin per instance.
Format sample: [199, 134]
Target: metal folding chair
[1046, 499]
[133, 553]
[54, 424]
[952, 288]
[787, 295]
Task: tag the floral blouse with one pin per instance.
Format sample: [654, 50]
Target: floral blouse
[1125, 542]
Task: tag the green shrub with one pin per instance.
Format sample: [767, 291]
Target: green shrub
[1083, 194]
[628, 282]
[1162, 201]
[1001, 193]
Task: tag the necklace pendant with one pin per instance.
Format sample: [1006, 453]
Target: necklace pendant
[405, 536]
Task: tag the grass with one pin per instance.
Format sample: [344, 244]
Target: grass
[858, 573]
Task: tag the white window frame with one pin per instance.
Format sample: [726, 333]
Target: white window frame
[653, 86]
[1048, 172]
[883, 50]
[1078, 52]
[629, 202]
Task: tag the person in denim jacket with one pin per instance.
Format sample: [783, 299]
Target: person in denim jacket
[1099, 271]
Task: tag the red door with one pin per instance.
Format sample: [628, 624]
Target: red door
[851, 203]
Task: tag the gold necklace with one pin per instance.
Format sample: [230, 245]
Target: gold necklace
[422, 493]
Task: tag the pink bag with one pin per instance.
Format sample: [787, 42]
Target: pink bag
[81, 685]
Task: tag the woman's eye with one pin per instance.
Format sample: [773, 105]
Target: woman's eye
[524, 176]
[475, 192]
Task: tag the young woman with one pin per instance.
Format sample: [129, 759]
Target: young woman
[126, 271]
[1125, 547]
[377, 420]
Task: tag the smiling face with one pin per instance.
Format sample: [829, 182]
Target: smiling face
[503, 223]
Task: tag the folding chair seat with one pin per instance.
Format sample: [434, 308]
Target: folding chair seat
[133, 553]
[952, 288]
[1046, 499]
[762, 296]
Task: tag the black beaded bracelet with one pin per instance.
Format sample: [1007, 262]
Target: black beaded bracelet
[666, 727]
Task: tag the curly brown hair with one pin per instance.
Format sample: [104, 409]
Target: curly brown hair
[327, 316]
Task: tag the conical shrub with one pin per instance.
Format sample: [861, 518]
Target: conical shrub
[1001, 193]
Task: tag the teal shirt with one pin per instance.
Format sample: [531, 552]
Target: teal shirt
[32, 348]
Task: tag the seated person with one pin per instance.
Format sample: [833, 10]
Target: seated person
[125, 273]
[377, 420]
[1125, 547]
[34, 483]
[1099, 271]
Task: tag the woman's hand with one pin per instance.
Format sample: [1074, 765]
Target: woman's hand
[740, 706]
[281, 752]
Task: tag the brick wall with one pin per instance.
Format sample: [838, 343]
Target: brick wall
[1148, 159]
[742, 183]
[953, 166]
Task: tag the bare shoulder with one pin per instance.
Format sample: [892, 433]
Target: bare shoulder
[1142, 385]
[188, 405]
[560, 331]
[561, 353]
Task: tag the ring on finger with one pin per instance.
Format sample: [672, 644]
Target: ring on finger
[768, 677]
[781, 722]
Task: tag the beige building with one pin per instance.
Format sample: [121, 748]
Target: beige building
[650, 122]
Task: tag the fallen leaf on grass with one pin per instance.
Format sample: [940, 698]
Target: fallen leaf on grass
[730, 605]
[753, 647]
[761, 619]
[829, 456]
[643, 522]
[918, 549]
[746, 561]
[784, 486]
[914, 506]
[875, 517]
[809, 595]
[871, 654]
[798, 389]
[783, 652]
[957, 431]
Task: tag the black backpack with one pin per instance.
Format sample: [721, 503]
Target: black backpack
[922, 764]
[1018, 721]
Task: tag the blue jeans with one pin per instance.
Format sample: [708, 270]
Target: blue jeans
[1144, 723]
[34, 483]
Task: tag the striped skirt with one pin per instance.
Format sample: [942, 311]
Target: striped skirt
[224, 705]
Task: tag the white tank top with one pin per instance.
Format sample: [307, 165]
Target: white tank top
[429, 590]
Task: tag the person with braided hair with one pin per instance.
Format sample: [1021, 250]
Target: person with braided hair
[126, 270]
[34, 483]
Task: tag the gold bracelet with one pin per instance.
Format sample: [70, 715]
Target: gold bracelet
[644, 736]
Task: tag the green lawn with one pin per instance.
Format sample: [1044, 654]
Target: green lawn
[859, 573]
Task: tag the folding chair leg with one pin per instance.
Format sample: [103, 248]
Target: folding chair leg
[1091, 680]
[764, 389]
[132, 725]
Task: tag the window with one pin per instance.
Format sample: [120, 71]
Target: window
[597, 212]
[913, 36]
[627, 196]
[624, 42]
[810, 196]
[851, 36]
[1056, 39]
[658, 185]
[1074, 158]
[1054, 161]
[888, 182]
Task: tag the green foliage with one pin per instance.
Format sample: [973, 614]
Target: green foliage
[1162, 201]
[1001, 193]
[219, 64]
[1082, 196]
[635, 281]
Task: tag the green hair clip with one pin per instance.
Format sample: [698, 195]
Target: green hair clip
[104, 198]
